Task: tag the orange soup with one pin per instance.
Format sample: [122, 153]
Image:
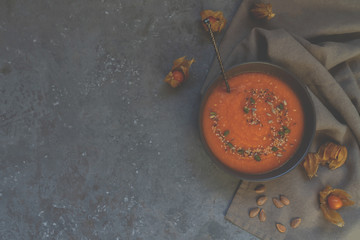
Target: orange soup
[256, 127]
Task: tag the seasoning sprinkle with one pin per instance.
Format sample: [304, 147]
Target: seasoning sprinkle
[278, 136]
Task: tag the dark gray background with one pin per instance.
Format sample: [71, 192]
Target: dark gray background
[94, 145]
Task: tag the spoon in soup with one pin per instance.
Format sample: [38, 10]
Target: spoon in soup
[208, 24]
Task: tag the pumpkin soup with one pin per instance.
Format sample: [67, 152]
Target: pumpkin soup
[256, 127]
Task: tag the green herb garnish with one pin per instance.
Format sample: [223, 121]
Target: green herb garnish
[226, 133]
[241, 151]
[281, 133]
[230, 145]
[246, 109]
[257, 158]
[274, 149]
[286, 129]
[252, 100]
[280, 106]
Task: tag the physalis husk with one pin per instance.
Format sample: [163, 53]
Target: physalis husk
[311, 164]
[263, 10]
[329, 153]
[330, 214]
[179, 72]
[333, 154]
[217, 20]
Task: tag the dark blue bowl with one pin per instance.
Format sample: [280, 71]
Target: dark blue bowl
[309, 126]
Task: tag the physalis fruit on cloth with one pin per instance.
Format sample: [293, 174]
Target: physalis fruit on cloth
[217, 20]
[332, 199]
[179, 72]
[329, 153]
[262, 10]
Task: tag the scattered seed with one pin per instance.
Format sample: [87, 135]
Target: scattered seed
[262, 215]
[284, 200]
[260, 188]
[254, 212]
[295, 222]
[261, 200]
[268, 114]
[277, 203]
[270, 121]
[281, 228]
[213, 115]
[285, 103]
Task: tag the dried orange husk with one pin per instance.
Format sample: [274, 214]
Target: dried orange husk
[340, 158]
[333, 154]
[324, 158]
[344, 196]
[311, 164]
[330, 214]
[263, 10]
[217, 20]
[182, 65]
[325, 151]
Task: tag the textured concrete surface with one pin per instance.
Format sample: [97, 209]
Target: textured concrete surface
[94, 145]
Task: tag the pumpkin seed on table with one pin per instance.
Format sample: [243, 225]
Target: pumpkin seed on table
[262, 215]
[254, 212]
[284, 200]
[260, 188]
[261, 200]
[295, 222]
[281, 228]
[277, 203]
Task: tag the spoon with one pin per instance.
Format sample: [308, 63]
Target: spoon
[208, 24]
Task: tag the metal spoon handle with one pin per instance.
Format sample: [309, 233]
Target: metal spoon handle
[207, 22]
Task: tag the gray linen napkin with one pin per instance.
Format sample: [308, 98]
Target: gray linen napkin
[319, 42]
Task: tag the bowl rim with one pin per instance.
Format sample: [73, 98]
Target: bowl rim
[303, 95]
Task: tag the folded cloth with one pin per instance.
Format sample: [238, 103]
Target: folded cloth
[319, 42]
